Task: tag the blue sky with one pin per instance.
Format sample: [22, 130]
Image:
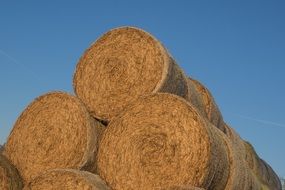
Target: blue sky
[236, 48]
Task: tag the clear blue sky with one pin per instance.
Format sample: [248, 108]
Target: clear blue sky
[236, 48]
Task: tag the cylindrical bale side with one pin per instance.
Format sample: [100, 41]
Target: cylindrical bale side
[239, 172]
[54, 131]
[1, 148]
[195, 98]
[264, 173]
[9, 176]
[122, 65]
[66, 179]
[181, 187]
[160, 140]
[209, 105]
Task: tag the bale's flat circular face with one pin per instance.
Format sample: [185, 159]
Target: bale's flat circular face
[67, 180]
[120, 66]
[158, 141]
[52, 132]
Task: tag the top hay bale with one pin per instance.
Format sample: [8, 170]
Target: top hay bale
[160, 140]
[122, 65]
[67, 179]
[54, 131]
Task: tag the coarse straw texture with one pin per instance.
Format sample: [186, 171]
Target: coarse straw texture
[263, 172]
[67, 179]
[122, 65]
[210, 107]
[160, 140]
[54, 131]
[9, 176]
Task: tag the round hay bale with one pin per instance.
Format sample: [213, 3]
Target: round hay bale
[66, 179]
[122, 65]
[160, 140]
[1, 149]
[235, 139]
[182, 187]
[54, 131]
[268, 175]
[209, 105]
[195, 98]
[263, 172]
[9, 176]
[239, 173]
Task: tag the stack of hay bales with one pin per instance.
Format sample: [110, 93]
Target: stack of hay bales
[136, 122]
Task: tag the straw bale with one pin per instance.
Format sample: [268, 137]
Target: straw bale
[9, 176]
[263, 172]
[239, 173]
[1, 148]
[209, 105]
[68, 179]
[195, 97]
[160, 140]
[54, 131]
[182, 187]
[122, 65]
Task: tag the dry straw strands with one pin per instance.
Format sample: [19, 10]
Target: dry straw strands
[210, 107]
[9, 176]
[122, 65]
[67, 179]
[160, 140]
[54, 131]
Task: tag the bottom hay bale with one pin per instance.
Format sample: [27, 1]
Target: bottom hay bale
[67, 179]
[54, 131]
[9, 176]
[160, 140]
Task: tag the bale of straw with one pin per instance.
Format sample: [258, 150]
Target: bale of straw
[160, 140]
[182, 187]
[263, 172]
[273, 181]
[122, 65]
[66, 179]
[209, 106]
[1, 148]
[54, 131]
[235, 139]
[239, 173]
[195, 97]
[9, 176]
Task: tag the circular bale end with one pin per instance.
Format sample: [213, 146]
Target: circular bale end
[122, 65]
[9, 176]
[160, 141]
[54, 131]
[210, 107]
[66, 179]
